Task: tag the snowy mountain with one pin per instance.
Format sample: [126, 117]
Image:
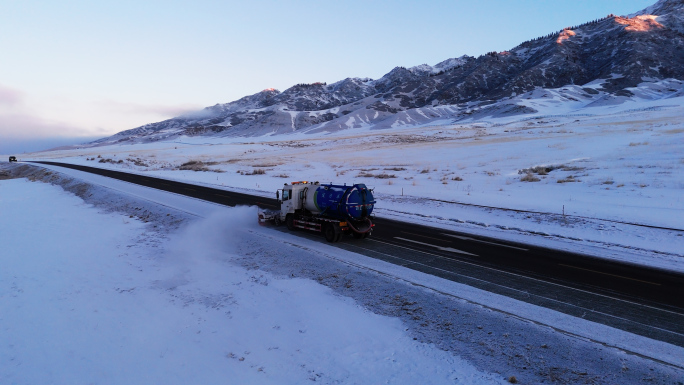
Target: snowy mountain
[610, 59]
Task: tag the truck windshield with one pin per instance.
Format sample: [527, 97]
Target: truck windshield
[286, 195]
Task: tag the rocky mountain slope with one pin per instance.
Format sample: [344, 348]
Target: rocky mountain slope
[614, 54]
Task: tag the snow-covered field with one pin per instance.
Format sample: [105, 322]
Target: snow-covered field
[566, 177]
[95, 297]
[131, 285]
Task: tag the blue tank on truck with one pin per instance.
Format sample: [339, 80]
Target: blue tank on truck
[353, 202]
[331, 209]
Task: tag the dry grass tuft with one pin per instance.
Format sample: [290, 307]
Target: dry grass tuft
[256, 171]
[198, 165]
[138, 162]
[569, 179]
[193, 165]
[377, 176]
[545, 170]
[103, 160]
[385, 176]
[571, 168]
[539, 170]
[529, 178]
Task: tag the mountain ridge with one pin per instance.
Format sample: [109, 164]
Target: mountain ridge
[621, 52]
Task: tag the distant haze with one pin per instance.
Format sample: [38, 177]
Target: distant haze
[15, 146]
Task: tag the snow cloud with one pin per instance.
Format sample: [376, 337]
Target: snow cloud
[23, 130]
[24, 118]
[17, 121]
[28, 126]
[213, 237]
[10, 96]
[159, 110]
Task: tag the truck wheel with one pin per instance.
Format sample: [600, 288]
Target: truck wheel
[289, 221]
[332, 233]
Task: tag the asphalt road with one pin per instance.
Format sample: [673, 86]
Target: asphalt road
[644, 301]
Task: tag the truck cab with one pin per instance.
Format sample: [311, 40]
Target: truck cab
[292, 198]
[12, 159]
[286, 203]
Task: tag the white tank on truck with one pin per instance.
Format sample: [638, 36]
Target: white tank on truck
[331, 209]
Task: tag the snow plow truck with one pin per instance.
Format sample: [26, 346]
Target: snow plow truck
[332, 210]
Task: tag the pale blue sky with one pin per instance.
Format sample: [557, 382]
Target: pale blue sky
[86, 68]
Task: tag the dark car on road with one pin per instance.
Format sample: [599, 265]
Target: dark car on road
[13, 159]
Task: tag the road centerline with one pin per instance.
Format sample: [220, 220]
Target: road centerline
[481, 241]
[449, 249]
[425, 236]
[612, 275]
